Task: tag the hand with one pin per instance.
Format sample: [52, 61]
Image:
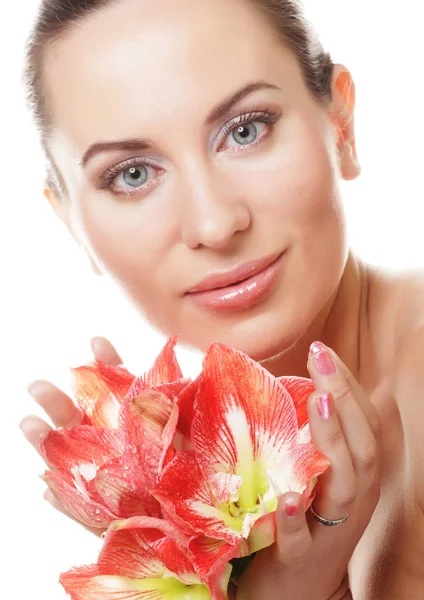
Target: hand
[309, 561]
[62, 411]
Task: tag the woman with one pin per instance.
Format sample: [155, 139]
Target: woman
[195, 152]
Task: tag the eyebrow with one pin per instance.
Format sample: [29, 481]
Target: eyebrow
[139, 144]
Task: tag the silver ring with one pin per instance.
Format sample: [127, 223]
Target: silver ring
[326, 522]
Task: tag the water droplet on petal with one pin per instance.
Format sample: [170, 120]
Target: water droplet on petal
[97, 511]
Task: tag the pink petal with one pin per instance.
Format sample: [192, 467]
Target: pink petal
[78, 504]
[66, 448]
[100, 390]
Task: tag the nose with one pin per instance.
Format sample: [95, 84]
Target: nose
[212, 211]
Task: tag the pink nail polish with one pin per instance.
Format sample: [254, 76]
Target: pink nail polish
[292, 510]
[325, 405]
[323, 360]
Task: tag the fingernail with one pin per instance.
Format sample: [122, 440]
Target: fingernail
[34, 389]
[292, 510]
[323, 360]
[325, 405]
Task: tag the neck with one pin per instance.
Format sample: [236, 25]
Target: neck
[338, 326]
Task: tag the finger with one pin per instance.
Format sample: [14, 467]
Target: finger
[103, 350]
[293, 536]
[54, 502]
[363, 399]
[34, 429]
[356, 427]
[338, 484]
[59, 406]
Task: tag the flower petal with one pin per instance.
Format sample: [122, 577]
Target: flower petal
[138, 564]
[121, 487]
[165, 369]
[245, 418]
[85, 583]
[190, 501]
[69, 447]
[299, 389]
[152, 547]
[100, 389]
[210, 556]
[148, 422]
[298, 468]
[78, 504]
[186, 400]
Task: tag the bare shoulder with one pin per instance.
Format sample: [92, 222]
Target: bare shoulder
[396, 307]
[398, 302]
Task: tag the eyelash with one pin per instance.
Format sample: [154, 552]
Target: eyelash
[267, 117]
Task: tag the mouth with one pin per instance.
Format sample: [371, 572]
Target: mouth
[240, 274]
[240, 289]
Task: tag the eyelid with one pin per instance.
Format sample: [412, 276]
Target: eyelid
[112, 172]
[254, 114]
[266, 116]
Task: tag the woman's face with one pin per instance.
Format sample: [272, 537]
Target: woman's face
[207, 190]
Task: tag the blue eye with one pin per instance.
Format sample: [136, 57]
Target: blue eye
[245, 134]
[129, 177]
[250, 128]
[135, 176]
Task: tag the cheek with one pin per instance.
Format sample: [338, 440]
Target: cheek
[296, 184]
[126, 238]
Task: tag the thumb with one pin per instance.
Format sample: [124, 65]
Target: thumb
[293, 536]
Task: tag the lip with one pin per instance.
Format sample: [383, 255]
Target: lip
[259, 281]
[237, 275]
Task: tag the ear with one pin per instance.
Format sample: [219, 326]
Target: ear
[342, 115]
[61, 209]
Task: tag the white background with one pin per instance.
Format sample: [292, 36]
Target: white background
[51, 304]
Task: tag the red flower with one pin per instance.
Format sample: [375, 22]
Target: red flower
[105, 469]
[248, 449]
[143, 558]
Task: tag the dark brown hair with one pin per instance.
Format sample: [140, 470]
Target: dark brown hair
[56, 17]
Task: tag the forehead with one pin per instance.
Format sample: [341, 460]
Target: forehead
[143, 62]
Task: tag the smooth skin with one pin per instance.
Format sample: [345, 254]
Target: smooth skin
[210, 204]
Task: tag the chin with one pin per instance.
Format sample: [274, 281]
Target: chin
[261, 338]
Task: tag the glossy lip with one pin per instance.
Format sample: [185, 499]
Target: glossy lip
[242, 295]
[237, 275]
